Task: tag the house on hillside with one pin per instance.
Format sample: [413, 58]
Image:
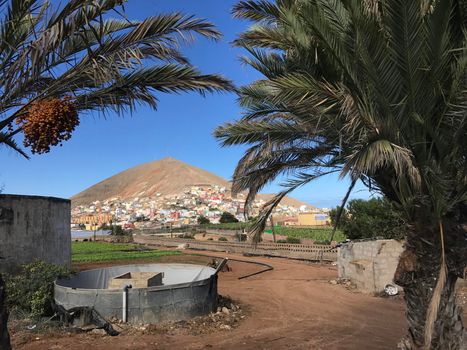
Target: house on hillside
[285, 220]
[313, 219]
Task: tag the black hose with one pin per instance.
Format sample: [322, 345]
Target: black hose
[268, 267]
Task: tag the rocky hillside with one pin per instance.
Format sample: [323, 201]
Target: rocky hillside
[166, 176]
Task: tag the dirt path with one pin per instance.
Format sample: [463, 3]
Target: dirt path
[292, 307]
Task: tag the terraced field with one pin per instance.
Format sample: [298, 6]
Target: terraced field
[83, 252]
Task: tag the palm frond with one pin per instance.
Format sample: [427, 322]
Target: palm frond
[380, 85]
[103, 63]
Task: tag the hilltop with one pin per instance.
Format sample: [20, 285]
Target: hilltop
[162, 177]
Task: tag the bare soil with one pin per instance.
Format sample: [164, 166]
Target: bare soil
[292, 307]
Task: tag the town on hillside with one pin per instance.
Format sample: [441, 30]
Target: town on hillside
[184, 208]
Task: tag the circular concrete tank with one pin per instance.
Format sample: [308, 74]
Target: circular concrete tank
[187, 291]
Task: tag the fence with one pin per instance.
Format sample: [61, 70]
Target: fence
[292, 251]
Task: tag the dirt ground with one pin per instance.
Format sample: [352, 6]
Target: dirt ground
[292, 307]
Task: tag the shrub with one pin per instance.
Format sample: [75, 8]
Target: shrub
[292, 240]
[372, 218]
[202, 220]
[235, 226]
[31, 290]
[210, 239]
[223, 239]
[241, 237]
[281, 241]
[117, 230]
[227, 217]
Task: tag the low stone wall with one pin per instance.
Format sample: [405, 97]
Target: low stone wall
[370, 265]
[291, 251]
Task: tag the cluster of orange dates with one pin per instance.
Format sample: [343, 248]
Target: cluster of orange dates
[47, 123]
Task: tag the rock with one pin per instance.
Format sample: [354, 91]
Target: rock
[98, 331]
[117, 327]
[225, 310]
[225, 326]
[333, 282]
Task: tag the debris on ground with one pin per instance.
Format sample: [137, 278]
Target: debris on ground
[215, 264]
[391, 290]
[85, 319]
[347, 283]
[227, 317]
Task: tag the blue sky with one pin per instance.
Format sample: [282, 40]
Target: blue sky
[181, 127]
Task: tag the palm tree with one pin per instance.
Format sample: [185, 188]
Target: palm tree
[78, 58]
[57, 62]
[376, 91]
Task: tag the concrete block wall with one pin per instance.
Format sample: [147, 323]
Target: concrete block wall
[370, 265]
[34, 228]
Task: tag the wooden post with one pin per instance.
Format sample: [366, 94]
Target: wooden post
[4, 335]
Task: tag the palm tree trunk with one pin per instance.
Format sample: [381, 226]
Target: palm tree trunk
[418, 272]
[272, 228]
[4, 335]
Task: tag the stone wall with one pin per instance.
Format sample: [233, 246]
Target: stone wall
[370, 265]
[34, 228]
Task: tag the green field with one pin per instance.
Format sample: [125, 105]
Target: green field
[101, 251]
[317, 234]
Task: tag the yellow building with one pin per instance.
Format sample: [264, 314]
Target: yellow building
[313, 219]
[93, 222]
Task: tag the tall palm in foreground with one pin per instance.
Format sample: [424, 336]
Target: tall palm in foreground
[373, 90]
[58, 62]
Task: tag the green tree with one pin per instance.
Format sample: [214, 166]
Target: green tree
[60, 61]
[375, 91]
[117, 230]
[202, 220]
[370, 218]
[227, 217]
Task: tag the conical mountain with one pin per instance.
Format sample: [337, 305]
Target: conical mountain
[166, 176]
